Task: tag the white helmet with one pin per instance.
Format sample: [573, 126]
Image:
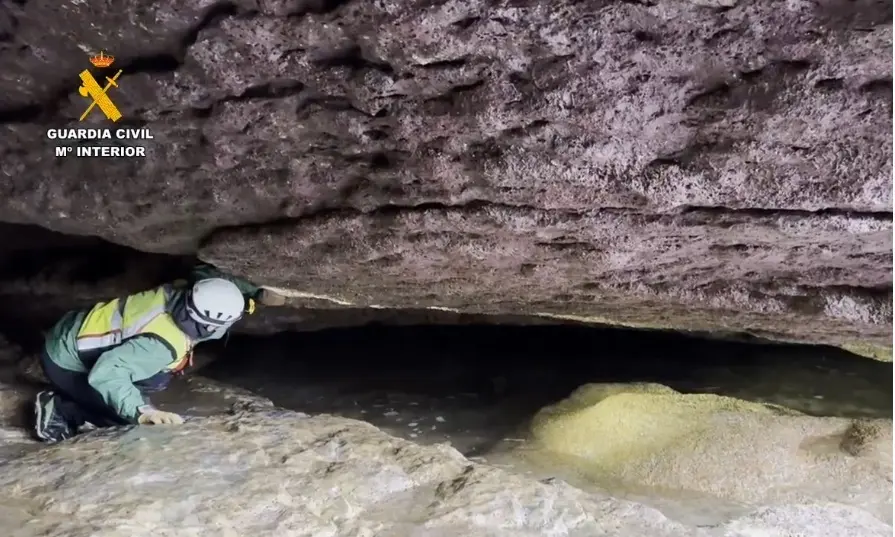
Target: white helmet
[215, 302]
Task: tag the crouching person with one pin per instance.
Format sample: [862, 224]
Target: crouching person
[102, 363]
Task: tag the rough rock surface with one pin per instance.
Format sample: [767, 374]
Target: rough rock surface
[746, 452]
[697, 164]
[46, 274]
[14, 397]
[279, 472]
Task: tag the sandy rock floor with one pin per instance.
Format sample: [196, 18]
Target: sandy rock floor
[275, 472]
[446, 465]
[780, 427]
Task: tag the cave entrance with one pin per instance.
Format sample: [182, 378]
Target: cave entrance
[658, 416]
[478, 386]
[470, 380]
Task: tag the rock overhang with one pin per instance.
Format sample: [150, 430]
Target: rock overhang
[671, 165]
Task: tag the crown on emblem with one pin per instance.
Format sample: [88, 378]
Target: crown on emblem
[102, 60]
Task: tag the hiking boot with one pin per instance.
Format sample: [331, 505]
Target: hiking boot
[87, 427]
[49, 424]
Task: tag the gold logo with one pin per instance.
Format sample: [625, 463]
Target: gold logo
[102, 60]
[90, 88]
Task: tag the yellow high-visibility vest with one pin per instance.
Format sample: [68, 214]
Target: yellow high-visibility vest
[110, 324]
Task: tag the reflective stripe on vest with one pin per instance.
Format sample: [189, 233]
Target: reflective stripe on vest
[111, 323]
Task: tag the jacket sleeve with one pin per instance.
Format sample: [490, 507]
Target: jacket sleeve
[114, 374]
[204, 270]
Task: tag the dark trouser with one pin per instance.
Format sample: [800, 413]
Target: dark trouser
[79, 403]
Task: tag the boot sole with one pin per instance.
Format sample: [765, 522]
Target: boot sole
[39, 414]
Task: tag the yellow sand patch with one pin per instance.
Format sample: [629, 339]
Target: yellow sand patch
[883, 354]
[610, 424]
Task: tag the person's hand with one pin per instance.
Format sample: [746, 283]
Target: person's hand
[271, 298]
[153, 416]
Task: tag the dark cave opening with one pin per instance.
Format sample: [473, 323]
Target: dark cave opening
[515, 360]
[468, 380]
[477, 385]
[44, 273]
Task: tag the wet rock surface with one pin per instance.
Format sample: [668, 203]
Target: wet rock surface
[283, 472]
[698, 165]
[746, 427]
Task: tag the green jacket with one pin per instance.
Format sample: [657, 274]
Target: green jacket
[115, 372]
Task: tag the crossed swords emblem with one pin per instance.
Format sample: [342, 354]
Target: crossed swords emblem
[91, 88]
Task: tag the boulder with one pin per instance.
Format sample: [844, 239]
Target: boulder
[755, 454]
[707, 165]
